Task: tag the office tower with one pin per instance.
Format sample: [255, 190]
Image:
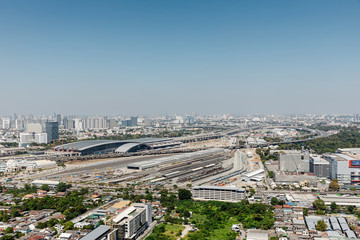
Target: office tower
[52, 131]
[133, 121]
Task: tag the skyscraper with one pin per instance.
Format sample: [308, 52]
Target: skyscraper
[58, 118]
[52, 131]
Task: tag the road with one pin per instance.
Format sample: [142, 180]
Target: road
[185, 231]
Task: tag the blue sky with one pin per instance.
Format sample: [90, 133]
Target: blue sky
[179, 56]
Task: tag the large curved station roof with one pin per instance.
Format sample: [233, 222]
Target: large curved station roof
[85, 145]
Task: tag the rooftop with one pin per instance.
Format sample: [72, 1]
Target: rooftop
[97, 232]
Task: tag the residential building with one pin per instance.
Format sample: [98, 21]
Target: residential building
[133, 221]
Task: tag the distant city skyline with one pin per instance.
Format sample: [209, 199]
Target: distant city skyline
[166, 57]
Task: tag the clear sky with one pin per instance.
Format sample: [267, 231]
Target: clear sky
[179, 56]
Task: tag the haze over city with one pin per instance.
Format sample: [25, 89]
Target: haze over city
[207, 57]
[179, 120]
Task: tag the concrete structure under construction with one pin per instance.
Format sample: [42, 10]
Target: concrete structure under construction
[319, 166]
[294, 161]
[231, 194]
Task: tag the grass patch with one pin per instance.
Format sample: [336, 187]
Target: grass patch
[223, 233]
[173, 229]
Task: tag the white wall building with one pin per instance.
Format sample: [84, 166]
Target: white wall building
[34, 128]
[6, 123]
[26, 138]
[133, 221]
[344, 168]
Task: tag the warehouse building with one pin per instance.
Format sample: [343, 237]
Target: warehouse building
[39, 183]
[341, 200]
[255, 176]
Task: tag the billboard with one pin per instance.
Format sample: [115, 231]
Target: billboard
[354, 163]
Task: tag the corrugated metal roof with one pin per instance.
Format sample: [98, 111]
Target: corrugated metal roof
[96, 233]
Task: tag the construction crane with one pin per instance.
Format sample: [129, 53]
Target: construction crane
[111, 227]
[296, 165]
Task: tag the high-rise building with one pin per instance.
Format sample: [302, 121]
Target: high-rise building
[69, 123]
[112, 123]
[52, 131]
[58, 118]
[6, 123]
[190, 120]
[134, 121]
[19, 124]
[79, 124]
[33, 128]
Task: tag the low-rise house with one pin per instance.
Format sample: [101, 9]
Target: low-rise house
[29, 196]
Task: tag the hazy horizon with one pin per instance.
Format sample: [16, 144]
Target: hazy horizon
[166, 57]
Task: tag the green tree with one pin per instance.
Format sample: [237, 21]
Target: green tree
[351, 209]
[271, 174]
[319, 204]
[9, 230]
[320, 226]
[41, 225]
[69, 226]
[149, 197]
[186, 214]
[305, 212]
[274, 201]
[252, 192]
[333, 206]
[184, 194]
[334, 185]
[62, 187]
[19, 234]
[7, 237]
[137, 199]
[45, 187]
